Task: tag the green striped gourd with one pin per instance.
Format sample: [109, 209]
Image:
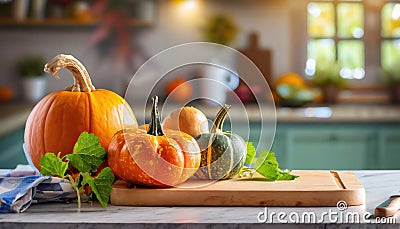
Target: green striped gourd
[222, 154]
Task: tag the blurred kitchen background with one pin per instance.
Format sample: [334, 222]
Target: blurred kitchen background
[333, 67]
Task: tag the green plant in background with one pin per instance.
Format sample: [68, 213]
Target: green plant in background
[220, 29]
[328, 74]
[31, 66]
[392, 74]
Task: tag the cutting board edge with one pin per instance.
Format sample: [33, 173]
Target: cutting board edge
[350, 190]
[327, 198]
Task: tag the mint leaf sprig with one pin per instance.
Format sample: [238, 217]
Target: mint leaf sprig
[86, 157]
[53, 165]
[87, 154]
[265, 164]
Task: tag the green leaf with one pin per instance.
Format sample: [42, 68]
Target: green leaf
[87, 154]
[246, 172]
[52, 165]
[285, 175]
[251, 153]
[101, 185]
[267, 165]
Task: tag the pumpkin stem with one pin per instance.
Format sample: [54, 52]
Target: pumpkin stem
[82, 82]
[220, 118]
[155, 124]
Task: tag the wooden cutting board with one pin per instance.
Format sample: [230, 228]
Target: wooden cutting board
[260, 57]
[312, 188]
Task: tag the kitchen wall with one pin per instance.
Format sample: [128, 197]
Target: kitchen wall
[15, 43]
[173, 25]
[271, 19]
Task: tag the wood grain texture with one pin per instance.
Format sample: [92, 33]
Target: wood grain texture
[312, 188]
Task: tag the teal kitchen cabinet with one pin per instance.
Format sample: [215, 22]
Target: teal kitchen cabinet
[332, 148]
[279, 147]
[332, 145]
[310, 145]
[11, 152]
[389, 148]
[275, 143]
[12, 121]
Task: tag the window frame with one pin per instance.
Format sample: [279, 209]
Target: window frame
[372, 42]
[336, 39]
[385, 38]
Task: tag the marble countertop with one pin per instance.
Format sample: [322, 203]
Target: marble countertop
[379, 185]
[341, 113]
[335, 113]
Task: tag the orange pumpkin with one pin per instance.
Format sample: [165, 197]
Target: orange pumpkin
[187, 119]
[6, 94]
[291, 79]
[151, 157]
[179, 89]
[56, 122]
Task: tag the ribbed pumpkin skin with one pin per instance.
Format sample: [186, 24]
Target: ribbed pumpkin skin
[151, 156]
[151, 151]
[222, 155]
[57, 120]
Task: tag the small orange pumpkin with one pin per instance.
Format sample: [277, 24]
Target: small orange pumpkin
[179, 89]
[187, 119]
[56, 122]
[292, 79]
[151, 158]
[6, 94]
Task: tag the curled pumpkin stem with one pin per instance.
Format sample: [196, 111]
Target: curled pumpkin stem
[220, 118]
[82, 81]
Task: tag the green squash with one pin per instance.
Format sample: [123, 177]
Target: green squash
[222, 154]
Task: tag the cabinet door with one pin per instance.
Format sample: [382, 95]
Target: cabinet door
[279, 147]
[330, 149]
[252, 132]
[11, 152]
[389, 149]
[261, 135]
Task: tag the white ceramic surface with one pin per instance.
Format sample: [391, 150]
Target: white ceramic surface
[215, 84]
[34, 88]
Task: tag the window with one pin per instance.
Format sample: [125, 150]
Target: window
[336, 34]
[390, 33]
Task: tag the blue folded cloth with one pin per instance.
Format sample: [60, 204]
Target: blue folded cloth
[55, 189]
[21, 187]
